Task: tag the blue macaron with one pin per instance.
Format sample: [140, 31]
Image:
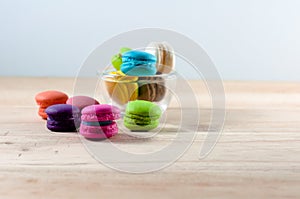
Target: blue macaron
[138, 63]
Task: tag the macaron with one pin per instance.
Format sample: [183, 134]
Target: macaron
[116, 60]
[138, 63]
[151, 88]
[121, 88]
[42, 113]
[48, 98]
[165, 56]
[98, 121]
[141, 115]
[81, 101]
[63, 118]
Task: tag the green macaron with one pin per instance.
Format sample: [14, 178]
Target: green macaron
[141, 115]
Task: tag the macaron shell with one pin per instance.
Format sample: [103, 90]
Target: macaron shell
[101, 112]
[61, 128]
[100, 109]
[139, 70]
[62, 112]
[143, 108]
[138, 56]
[67, 122]
[99, 132]
[47, 98]
[81, 101]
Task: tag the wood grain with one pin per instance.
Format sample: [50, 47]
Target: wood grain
[257, 155]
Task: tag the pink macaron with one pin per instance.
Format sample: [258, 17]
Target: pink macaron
[81, 101]
[98, 121]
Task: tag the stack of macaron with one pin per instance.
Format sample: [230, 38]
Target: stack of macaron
[48, 98]
[138, 83]
[98, 121]
[63, 118]
[137, 75]
[93, 120]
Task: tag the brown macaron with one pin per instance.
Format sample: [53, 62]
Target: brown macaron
[169, 58]
[154, 91]
[164, 54]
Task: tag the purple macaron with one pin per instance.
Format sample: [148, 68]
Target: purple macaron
[63, 118]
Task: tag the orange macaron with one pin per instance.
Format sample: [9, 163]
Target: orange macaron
[48, 98]
[42, 113]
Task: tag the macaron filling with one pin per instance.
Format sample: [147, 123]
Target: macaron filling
[141, 121]
[98, 123]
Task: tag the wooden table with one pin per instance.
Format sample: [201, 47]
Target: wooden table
[257, 155]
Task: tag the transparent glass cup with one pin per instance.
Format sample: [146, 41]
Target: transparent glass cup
[121, 89]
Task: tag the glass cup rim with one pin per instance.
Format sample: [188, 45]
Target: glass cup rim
[107, 73]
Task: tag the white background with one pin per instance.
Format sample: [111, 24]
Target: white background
[246, 39]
